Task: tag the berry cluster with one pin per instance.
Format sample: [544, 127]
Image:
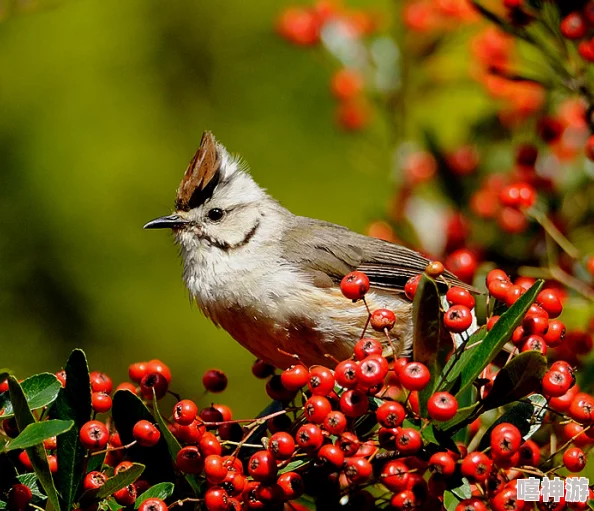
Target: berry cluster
[374, 431]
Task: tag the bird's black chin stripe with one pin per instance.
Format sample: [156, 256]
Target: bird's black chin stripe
[225, 247]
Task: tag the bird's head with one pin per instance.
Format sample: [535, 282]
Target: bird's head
[218, 204]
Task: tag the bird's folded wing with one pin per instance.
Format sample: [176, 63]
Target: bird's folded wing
[328, 252]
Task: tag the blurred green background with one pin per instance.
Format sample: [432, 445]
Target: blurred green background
[103, 104]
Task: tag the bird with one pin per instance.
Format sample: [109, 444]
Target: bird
[270, 278]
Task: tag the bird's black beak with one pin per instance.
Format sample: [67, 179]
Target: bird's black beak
[166, 222]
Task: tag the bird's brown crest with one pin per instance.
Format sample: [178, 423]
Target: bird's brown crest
[201, 176]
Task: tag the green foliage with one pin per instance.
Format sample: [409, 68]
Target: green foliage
[40, 391]
[37, 432]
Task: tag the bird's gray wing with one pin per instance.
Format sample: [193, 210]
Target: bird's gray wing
[328, 252]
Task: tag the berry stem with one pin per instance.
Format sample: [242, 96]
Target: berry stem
[183, 501]
[553, 232]
[123, 447]
[564, 446]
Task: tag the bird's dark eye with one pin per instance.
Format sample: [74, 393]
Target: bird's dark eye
[215, 214]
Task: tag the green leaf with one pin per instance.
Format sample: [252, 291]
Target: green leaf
[540, 404]
[40, 390]
[172, 445]
[37, 432]
[3, 504]
[37, 454]
[450, 501]
[115, 483]
[73, 404]
[455, 365]
[159, 491]
[521, 376]
[463, 491]
[461, 418]
[496, 338]
[426, 335]
[127, 410]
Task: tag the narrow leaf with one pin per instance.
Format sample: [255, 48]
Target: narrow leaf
[115, 483]
[159, 491]
[496, 338]
[520, 415]
[37, 454]
[456, 364]
[73, 404]
[521, 376]
[461, 418]
[450, 501]
[37, 432]
[427, 322]
[40, 390]
[172, 445]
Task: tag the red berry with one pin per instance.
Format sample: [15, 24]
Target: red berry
[408, 441]
[61, 375]
[277, 391]
[281, 445]
[372, 371]
[101, 402]
[354, 285]
[434, 269]
[519, 195]
[156, 366]
[462, 263]
[331, 454]
[51, 443]
[146, 433]
[100, 382]
[357, 469]
[555, 334]
[414, 376]
[476, 466]
[354, 403]
[215, 469]
[316, 408]
[404, 501]
[137, 371]
[211, 415]
[152, 504]
[262, 466]
[442, 406]
[19, 497]
[299, 25]
[556, 383]
[573, 26]
[505, 440]
[529, 453]
[309, 437]
[294, 377]
[395, 475]
[574, 459]
[460, 296]
[442, 463]
[586, 51]
[582, 408]
[345, 373]
[189, 460]
[126, 496]
[549, 129]
[185, 412]
[291, 484]
[410, 288]
[25, 461]
[216, 499]
[535, 325]
[335, 423]
[214, 380]
[457, 318]
[347, 83]
[153, 381]
[262, 369]
[94, 435]
[534, 343]
[353, 114]
[367, 346]
[390, 414]
[320, 381]
[549, 300]
[382, 319]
